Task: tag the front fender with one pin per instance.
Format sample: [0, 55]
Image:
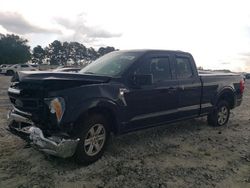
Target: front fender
[74, 113]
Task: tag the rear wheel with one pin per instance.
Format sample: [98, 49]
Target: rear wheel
[93, 139]
[220, 115]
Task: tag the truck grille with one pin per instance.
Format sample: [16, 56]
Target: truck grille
[25, 104]
[28, 97]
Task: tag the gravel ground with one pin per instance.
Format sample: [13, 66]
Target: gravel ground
[185, 154]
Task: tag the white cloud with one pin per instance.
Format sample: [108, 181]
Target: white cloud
[214, 31]
[79, 30]
[14, 22]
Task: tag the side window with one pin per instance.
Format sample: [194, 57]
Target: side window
[159, 67]
[24, 66]
[183, 68]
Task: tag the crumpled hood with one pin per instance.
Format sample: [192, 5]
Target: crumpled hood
[41, 76]
[53, 81]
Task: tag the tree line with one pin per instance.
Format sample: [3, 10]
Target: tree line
[15, 50]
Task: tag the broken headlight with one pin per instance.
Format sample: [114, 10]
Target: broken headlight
[56, 106]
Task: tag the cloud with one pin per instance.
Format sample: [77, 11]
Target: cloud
[225, 63]
[245, 54]
[245, 58]
[16, 23]
[81, 31]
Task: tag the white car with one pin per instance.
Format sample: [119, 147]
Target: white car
[3, 68]
[10, 71]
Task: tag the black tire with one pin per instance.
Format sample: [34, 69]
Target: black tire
[83, 154]
[10, 73]
[220, 114]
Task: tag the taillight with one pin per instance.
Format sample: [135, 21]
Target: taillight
[242, 86]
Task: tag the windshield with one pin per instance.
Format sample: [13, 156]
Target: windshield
[112, 64]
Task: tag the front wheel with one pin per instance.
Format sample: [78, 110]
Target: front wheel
[93, 139]
[10, 73]
[220, 115]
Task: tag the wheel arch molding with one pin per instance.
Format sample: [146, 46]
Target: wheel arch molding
[227, 94]
[106, 107]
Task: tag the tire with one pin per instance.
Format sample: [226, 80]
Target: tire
[93, 139]
[220, 114]
[10, 73]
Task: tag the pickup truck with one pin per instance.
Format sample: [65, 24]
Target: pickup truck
[73, 114]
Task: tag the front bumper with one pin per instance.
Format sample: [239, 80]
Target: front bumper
[53, 145]
[3, 71]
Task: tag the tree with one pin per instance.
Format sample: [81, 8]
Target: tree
[13, 49]
[61, 53]
[38, 55]
[106, 50]
[55, 53]
[92, 54]
[78, 52]
[200, 68]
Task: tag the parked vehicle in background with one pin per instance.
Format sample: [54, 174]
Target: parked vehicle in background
[247, 76]
[3, 68]
[10, 71]
[67, 114]
[3, 65]
[67, 69]
[35, 66]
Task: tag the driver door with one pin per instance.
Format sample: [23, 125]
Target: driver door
[148, 105]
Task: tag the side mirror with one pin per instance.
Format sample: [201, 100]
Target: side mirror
[143, 79]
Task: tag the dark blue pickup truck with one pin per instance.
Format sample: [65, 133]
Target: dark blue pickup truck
[73, 114]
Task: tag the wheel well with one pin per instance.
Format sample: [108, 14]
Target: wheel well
[227, 96]
[106, 112]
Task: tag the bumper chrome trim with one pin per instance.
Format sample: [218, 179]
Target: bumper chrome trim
[15, 91]
[22, 112]
[12, 116]
[54, 145]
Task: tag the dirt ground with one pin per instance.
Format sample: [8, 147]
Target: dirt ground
[185, 154]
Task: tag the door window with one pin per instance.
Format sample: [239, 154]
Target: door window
[159, 67]
[183, 68]
[24, 66]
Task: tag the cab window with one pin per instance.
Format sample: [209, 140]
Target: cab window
[183, 68]
[159, 67]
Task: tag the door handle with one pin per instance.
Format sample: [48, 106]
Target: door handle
[168, 90]
[172, 89]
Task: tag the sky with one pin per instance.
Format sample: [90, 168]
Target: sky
[216, 32]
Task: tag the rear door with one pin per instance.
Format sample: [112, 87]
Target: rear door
[189, 86]
[155, 103]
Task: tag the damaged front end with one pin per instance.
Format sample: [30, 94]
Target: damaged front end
[53, 144]
[39, 112]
